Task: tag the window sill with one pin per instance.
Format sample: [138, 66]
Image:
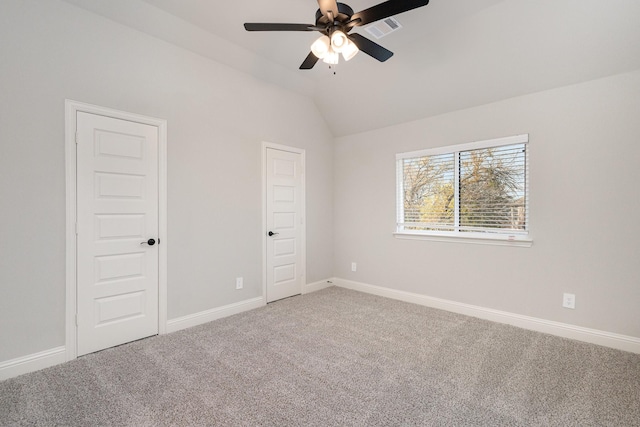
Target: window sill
[517, 241]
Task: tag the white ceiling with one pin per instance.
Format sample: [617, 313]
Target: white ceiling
[449, 55]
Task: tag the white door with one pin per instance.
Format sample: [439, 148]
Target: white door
[285, 222]
[117, 216]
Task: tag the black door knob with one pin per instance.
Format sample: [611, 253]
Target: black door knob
[149, 242]
[271, 233]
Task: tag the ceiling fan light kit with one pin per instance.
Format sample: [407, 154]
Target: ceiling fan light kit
[331, 58]
[328, 49]
[350, 51]
[335, 20]
[339, 41]
[321, 46]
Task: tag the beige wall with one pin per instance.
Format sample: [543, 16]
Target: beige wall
[585, 204]
[217, 119]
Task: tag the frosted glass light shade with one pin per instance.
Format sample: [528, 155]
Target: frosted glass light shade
[339, 41]
[331, 57]
[321, 46]
[350, 50]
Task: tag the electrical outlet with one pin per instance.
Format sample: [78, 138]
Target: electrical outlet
[569, 300]
[354, 266]
[239, 282]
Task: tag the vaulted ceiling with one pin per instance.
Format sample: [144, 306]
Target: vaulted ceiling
[449, 55]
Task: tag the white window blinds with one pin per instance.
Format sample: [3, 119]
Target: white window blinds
[428, 186]
[473, 188]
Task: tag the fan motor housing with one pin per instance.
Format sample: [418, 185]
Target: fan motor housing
[344, 15]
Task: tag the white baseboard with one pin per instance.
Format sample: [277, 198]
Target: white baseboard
[213, 314]
[316, 286]
[32, 362]
[565, 330]
[231, 309]
[44, 359]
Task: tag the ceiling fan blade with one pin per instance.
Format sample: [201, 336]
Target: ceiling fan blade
[278, 27]
[309, 62]
[385, 10]
[327, 6]
[370, 48]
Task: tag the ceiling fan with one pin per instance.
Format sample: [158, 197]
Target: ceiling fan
[335, 20]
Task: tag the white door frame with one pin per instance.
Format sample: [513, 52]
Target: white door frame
[265, 146]
[71, 110]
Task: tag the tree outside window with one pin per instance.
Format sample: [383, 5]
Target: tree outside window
[481, 189]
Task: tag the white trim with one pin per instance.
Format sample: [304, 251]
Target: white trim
[163, 209]
[70, 235]
[565, 330]
[301, 151]
[316, 286]
[447, 149]
[32, 362]
[206, 316]
[474, 238]
[71, 110]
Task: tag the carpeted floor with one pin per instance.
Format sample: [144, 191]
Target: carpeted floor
[336, 358]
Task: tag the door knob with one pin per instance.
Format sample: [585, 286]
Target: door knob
[271, 233]
[149, 242]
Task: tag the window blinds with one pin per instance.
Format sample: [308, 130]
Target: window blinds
[478, 188]
[428, 192]
[492, 189]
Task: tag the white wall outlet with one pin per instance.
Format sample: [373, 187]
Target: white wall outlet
[354, 266]
[239, 282]
[569, 300]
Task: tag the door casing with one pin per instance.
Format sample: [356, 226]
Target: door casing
[265, 147]
[71, 110]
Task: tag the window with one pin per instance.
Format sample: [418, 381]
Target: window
[471, 191]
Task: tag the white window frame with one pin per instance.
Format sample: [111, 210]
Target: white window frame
[516, 238]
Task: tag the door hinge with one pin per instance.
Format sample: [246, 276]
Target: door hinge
[76, 320]
[76, 137]
[76, 228]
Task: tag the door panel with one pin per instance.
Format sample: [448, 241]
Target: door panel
[117, 212]
[285, 275]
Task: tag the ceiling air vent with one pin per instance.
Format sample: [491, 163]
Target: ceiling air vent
[383, 27]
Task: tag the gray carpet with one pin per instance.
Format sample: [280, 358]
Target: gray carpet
[336, 358]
